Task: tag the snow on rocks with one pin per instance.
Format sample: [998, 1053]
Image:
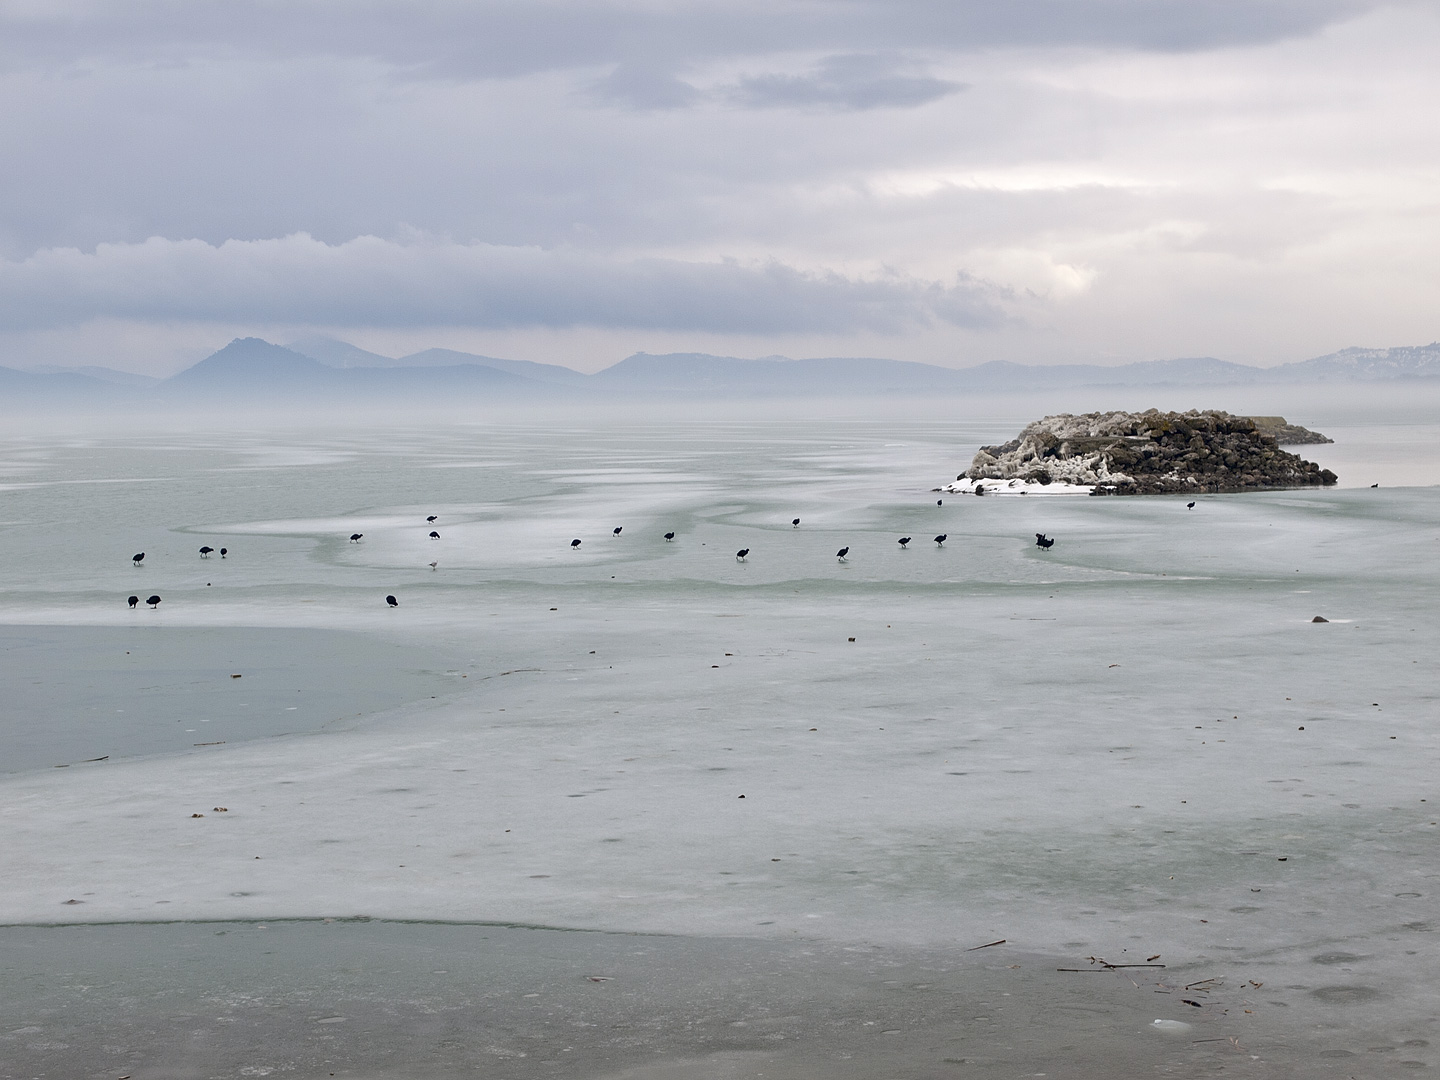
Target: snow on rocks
[1015, 486]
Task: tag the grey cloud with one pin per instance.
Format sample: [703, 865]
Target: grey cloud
[641, 86]
[370, 282]
[505, 38]
[853, 82]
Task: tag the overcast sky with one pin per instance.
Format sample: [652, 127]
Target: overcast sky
[950, 181]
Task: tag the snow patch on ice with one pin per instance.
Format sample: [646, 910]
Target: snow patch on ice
[1016, 486]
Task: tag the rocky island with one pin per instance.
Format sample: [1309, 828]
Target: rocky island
[1147, 453]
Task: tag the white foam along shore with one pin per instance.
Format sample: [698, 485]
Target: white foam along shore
[1016, 486]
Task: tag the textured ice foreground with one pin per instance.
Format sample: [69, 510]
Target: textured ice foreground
[372, 999]
[1092, 751]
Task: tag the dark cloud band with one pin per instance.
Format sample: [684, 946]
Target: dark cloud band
[372, 282]
[500, 38]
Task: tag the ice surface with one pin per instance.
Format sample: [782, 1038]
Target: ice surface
[1133, 743]
[415, 1001]
[77, 693]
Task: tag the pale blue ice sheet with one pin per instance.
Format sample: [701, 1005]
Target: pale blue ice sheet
[76, 693]
[979, 769]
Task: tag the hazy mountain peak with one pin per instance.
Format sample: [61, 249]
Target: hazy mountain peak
[528, 369]
[1361, 364]
[248, 359]
[337, 353]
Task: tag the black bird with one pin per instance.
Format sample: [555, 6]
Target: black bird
[941, 539]
[669, 537]
[392, 601]
[617, 529]
[224, 552]
[1374, 485]
[1190, 506]
[742, 553]
[1043, 541]
[138, 558]
[205, 551]
[795, 522]
[432, 519]
[939, 502]
[574, 544]
[134, 600]
[355, 537]
[434, 535]
[842, 553]
[904, 540]
[153, 601]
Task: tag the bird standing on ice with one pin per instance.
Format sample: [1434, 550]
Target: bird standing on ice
[842, 553]
[617, 530]
[138, 558]
[153, 601]
[669, 536]
[904, 540]
[941, 539]
[355, 537]
[392, 601]
[574, 544]
[134, 600]
[740, 555]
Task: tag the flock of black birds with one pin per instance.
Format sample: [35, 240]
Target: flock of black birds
[1040, 540]
[206, 551]
[154, 600]
[1045, 543]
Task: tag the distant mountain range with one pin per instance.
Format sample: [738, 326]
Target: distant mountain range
[249, 368]
[342, 354]
[323, 370]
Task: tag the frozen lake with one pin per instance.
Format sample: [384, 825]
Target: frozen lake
[651, 764]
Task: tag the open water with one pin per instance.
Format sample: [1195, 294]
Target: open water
[644, 809]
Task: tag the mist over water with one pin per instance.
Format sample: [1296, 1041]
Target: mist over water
[1136, 744]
